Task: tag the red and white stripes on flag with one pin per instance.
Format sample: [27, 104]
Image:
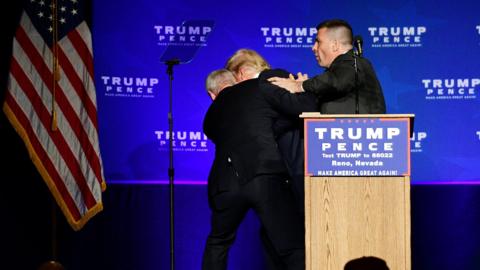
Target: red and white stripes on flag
[67, 158]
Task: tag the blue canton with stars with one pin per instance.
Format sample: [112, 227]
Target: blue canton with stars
[70, 13]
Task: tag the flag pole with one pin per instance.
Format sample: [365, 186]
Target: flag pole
[55, 69]
[54, 264]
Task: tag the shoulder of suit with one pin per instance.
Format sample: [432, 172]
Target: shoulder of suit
[342, 59]
[239, 87]
[269, 73]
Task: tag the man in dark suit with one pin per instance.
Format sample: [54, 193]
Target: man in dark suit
[346, 74]
[248, 171]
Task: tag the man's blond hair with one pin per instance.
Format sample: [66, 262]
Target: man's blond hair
[246, 58]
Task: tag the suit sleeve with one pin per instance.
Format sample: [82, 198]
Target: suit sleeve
[284, 101]
[209, 123]
[336, 82]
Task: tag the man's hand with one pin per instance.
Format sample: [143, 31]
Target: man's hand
[291, 84]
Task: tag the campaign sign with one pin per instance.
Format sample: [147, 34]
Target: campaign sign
[357, 146]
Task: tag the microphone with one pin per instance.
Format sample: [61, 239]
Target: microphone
[358, 43]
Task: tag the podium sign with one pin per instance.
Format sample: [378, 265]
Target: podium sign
[357, 190]
[357, 146]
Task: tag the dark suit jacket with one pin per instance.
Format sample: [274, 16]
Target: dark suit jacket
[335, 88]
[240, 122]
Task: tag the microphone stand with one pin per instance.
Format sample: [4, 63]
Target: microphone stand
[171, 170]
[358, 41]
[357, 103]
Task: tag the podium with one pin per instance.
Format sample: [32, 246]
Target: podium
[357, 191]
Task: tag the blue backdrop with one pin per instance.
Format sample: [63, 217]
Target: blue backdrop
[420, 49]
[426, 56]
[424, 53]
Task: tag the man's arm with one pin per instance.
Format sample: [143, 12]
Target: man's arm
[284, 101]
[210, 122]
[338, 81]
[291, 84]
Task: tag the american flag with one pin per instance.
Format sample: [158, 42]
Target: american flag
[51, 103]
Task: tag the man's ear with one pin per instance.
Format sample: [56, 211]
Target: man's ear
[212, 95]
[335, 45]
[241, 73]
